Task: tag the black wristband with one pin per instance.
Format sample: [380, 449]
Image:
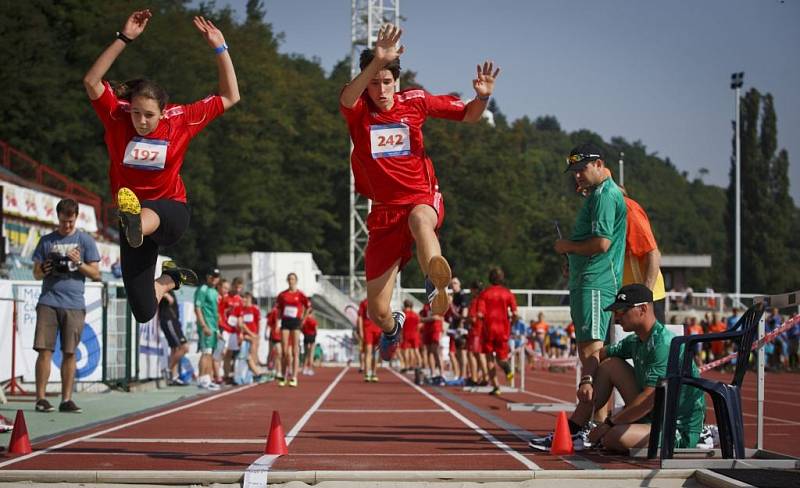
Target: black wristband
[608, 421]
[122, 37]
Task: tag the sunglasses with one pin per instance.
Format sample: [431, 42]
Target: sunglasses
[623, 311]
[577, 158]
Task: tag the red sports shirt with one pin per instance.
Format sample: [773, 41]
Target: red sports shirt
[229, 322]
[411, 326]
[250, 316]
[475, 306]
[496, 302]
[272, 323]
[431, 325]
[150, 165]
[292, 304]
[310, 326]
[389, 161]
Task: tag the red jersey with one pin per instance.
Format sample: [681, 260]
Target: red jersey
[310, 326]
[249, 315]
[292, 304]
[411, 326]
[362, 312]
[150, 165]
[389, 161]
[227, 305]
[431, 325]
[475, 306]
[272, 323]
[496, 302]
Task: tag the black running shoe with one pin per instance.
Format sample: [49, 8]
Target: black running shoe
[44, 406]
[130, 216]
[181, 276]
[388, 343]
[69, 407]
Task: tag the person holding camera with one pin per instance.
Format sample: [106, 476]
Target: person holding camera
[63, 259]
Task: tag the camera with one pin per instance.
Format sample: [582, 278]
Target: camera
[60, 263]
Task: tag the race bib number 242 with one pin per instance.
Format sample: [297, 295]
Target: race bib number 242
[389, 140]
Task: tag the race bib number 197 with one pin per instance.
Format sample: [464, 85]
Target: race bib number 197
[389, 140]
[146, 154]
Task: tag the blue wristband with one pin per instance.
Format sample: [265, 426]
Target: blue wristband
[221, 49]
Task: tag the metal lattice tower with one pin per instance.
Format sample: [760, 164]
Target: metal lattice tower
[367, 18]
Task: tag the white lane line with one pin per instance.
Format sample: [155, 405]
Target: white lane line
[256, 474]
[125, 425]
[139, 440]
[307, 454]
[362, 410]
[500, 445]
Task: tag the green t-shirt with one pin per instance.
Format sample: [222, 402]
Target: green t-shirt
[650, 364]
[603, 214]
[206, 298]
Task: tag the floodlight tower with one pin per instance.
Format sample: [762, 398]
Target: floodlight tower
[367, 18]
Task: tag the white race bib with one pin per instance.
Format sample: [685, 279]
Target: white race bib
[146, 154]
[389, 140]
[290, 312]
[248, 317]
[233, 320]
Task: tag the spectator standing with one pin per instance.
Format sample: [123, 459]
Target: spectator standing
[63, 259]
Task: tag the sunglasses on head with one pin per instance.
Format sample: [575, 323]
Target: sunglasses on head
[577, 158]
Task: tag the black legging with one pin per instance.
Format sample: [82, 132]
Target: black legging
[139, 264]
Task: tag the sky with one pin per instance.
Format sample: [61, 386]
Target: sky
[657, 72]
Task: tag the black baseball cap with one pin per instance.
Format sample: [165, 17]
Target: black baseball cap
[213, 272]
[631, 296]
[582, 155]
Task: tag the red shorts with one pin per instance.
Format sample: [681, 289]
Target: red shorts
[411, 342]
[390, 238]
[475, 343]
[497, 344]
[371, 336]
[431, 335]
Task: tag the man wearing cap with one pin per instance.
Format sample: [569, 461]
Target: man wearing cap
[206, 300]
[595, 252]
[648, 347]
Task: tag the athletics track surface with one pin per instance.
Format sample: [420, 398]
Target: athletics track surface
[335, 421]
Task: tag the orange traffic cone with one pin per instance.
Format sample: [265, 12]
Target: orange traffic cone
[562, 439]
[19, 443]
[276, 441]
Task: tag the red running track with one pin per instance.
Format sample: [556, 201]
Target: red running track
[342, 423]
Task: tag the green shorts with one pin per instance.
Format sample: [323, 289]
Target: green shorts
[206, 344]
[586, 308]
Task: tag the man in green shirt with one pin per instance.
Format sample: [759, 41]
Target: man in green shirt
[595, 251]
[648, 347]
[206, 300]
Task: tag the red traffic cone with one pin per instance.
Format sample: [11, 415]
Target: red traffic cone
[276, 441]
[562, 439]
[19, 443]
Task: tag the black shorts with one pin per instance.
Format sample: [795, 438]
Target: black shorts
[659, 310]
[290, 324]
[174, 217]
[173, 332]
[309, 339]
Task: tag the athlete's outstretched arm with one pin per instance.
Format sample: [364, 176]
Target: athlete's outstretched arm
[386, 51]
[484, 86]
[228, 86]
[134, 26]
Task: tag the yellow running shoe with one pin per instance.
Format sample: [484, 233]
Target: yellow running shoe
[282, 382]
[374, 378]
[439, 276]
[181, 276]
[293, 382]
[510, 376]
[130, 216]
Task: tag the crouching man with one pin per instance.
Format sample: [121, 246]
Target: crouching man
[648, 347]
